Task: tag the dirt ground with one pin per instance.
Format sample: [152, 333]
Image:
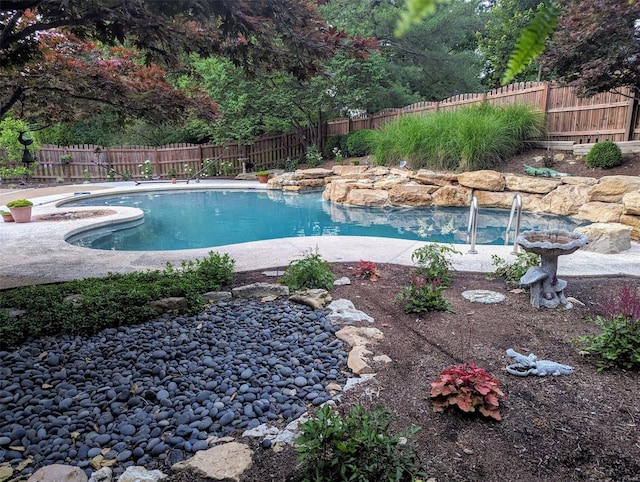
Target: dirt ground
[579, 427]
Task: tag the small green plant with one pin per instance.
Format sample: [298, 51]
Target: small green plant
[313, 157]
[512, 272]
[358, 447]
[311, 271]
[188, 170]
[172, 172]
[86, 174]
[468, 388]
[262, 173]
[146, 169]
[619, 343]
[423, 295]
[605, 154]
[65, 158]
[337, 155]
[433, 261]
[19, 203]
[428, 280]
[111, 175]
[126, 175]
[367, 269]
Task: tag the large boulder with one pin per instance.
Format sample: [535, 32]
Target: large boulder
[411, 195]
[611, 189]
[222, 462]
[486, 180]
[455, 196]
[425, 176]
[634, 222]
[606, 238]
[260, 290]
[338, 191]
[536, 185]
[359, 335]
[313, 173]
[344, 170]
[580, 180]
[504, 200]
[600, 212]
[59, 473]
[367, 197]
[631, 203]
[565, 200]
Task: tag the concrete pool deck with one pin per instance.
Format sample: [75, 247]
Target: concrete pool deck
[37, 252]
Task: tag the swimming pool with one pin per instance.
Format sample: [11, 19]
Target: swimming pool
[187, 219]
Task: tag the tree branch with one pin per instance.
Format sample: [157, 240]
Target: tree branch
[11, 101]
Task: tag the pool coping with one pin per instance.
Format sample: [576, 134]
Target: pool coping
[38, 250]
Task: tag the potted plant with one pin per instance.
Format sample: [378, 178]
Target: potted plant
[20, 210]
[6, 216]
[65, 158]
[263, 176]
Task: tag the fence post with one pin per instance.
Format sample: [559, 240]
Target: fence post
[629, 118]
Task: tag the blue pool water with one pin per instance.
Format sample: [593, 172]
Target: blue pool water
[210, 218]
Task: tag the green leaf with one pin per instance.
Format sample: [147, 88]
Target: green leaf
[414, 12]
[532, 40]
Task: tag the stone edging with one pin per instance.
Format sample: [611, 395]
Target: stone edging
[610, 199]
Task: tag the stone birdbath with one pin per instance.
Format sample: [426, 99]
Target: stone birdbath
[546, 289]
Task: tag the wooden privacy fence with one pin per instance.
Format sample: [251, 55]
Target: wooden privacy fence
[92, 163]
[569, 118]
[602, 117]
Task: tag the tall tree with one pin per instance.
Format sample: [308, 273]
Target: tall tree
[255, 34]
[596, 47]
[434, 59]
[506, 20]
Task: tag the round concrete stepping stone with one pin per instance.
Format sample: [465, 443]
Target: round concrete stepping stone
[483, 296]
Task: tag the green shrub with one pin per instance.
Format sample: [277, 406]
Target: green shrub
[358, 447]
[308, 273]
[512, 272]
[619, 343]
[429, 279]
[360, 143]
[433, 262]
[19, 203]
[337, 141]
[92, 304]
[605, 154]
[313, 157]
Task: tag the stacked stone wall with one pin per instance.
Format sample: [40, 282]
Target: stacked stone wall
[610, 199]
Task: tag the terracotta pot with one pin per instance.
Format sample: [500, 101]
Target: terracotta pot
[21, 215]
[263, 178]
[8, 218]
[174, 180]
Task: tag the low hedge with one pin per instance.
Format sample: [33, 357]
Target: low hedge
[84, 307]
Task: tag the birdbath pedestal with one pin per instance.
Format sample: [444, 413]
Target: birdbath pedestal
[545, 288]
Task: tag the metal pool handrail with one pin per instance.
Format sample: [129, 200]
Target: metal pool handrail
[516, 209]
[472, 227]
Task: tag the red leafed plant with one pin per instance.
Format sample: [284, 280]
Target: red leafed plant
[367, 269]
[469, 388]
